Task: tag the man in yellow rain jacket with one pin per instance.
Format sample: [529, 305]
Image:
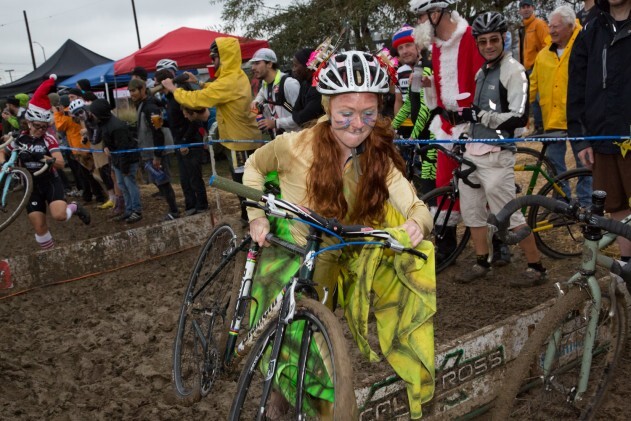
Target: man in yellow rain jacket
[230, 93]
[549, 79]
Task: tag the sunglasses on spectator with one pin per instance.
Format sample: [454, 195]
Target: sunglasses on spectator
[482, 42]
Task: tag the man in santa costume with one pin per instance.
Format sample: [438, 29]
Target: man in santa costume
[455, 60]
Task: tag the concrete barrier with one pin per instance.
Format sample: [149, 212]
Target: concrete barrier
[103, 253]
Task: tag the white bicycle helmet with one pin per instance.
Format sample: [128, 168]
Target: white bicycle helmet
[38, 115]
[353, 71]
[76, 105]
[423, 6]
[167, 63]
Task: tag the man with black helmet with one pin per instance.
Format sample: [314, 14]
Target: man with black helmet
[499, 107]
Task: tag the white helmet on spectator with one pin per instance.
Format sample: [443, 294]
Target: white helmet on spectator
[168, 64]
[76, 105]
[353, 71]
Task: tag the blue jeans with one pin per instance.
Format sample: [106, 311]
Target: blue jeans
[127, 185]
[556, 154]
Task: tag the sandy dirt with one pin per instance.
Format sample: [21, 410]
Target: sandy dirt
[101, 348]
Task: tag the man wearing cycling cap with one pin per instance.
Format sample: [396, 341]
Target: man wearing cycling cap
[500, 106]
[277, 95]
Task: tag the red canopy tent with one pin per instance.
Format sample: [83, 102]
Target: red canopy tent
[188, 46]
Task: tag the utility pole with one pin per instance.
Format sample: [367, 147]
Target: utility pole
[133, 7]
[30, 43]
[9, 72]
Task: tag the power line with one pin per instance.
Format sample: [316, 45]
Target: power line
[50, 16]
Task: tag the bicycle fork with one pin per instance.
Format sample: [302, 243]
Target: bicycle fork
[241, 302]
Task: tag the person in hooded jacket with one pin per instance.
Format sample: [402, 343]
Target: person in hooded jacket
[230, 93]
[116, 137]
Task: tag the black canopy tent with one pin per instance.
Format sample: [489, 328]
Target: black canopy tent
[70, 59]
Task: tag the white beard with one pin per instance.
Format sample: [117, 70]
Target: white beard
[423, 35]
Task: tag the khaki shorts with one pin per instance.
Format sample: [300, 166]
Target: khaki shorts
[496, 175]
[612, 173]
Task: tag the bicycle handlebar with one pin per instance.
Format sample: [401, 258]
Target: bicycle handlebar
[281, 208]
[502, 219]
[461, 174]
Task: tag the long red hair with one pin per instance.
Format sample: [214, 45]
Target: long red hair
[325, 187]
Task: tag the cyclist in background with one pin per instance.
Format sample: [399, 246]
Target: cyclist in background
[347, 167]
[499, 107]
[33, 145]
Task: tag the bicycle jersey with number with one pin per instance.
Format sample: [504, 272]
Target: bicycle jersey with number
[32, 149]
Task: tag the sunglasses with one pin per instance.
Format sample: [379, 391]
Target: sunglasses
[482, 42]
[39, 126]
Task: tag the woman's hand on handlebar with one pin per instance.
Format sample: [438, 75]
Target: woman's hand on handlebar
[413, 230]
[259, 228]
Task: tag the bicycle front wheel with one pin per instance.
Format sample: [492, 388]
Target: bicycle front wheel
[528, 394]
[556, 235]
[449, 235]
[19, 186]
[314, 341]
[203, 323]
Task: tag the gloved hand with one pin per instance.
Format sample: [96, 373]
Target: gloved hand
[470, 114]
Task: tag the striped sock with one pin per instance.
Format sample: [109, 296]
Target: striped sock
[70, 210]
[45, 241]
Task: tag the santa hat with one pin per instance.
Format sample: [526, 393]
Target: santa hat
[402, 36]
[40, 101]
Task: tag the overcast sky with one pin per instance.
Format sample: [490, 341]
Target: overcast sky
[105, 27]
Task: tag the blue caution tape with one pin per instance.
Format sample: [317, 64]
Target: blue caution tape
[397, 142]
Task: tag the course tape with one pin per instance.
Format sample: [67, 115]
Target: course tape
[397, 142]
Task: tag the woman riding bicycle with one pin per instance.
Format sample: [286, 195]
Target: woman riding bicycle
[36, 148]
[347, 167]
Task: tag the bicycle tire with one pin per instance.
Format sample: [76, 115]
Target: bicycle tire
[203, 318]
[326, 331]
[526, 395]
[18, 194]
[558, 236]
[528, 156]
[462, 232]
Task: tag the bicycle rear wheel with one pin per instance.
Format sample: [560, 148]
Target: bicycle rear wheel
[327, 389]
[556, 235]
[19, 185]
[203, 323]
[441, 202]
[528, 394]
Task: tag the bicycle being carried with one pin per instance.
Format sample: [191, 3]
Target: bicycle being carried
[16, 184]
[568, 362]
[213, 329]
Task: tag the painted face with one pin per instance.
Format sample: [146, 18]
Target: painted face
[490, 45]
[408, 53]
[353, 116]
[526, 11]
[560, 32]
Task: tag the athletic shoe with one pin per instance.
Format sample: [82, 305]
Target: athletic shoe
[530, 278]
[470, 275]
[171, 216]
[190, 212]
[107, 205]
[134, 217]
[121, 217]
[82, 213]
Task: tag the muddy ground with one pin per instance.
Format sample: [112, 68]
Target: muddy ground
[100, 348]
